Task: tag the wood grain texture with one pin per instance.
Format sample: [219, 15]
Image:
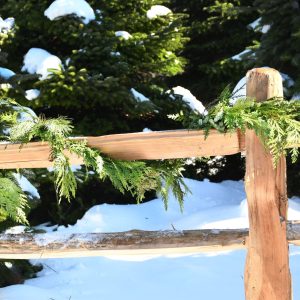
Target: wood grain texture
[135, 242]
[267, 274]
[131, 146]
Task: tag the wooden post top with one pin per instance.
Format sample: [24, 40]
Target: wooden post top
[264, 83]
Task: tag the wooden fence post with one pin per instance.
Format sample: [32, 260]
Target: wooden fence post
[267, 274]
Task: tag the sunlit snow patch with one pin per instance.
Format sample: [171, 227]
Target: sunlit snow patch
[26, 186]
[253, 25]
[240, 55]
[40, 61]
[60, 8]
[32, 94]
[6, 73]
[190, 99]
[157, 10]
[25, 114]
[138, 96]
[266, 28]
[257, 26]
[7, 24]
[147, 129]
[239, 91]
[124, 34]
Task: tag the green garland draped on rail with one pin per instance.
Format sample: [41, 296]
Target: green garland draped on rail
[136, 177]
[276, 122]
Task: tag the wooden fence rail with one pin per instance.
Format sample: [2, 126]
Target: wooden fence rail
[134, 242]
[267, 274]
[131, 146]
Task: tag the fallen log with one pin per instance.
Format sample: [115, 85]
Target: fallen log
[135, 242]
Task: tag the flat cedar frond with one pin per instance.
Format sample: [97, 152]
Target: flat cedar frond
[276, 121]
[64, 177]
[12, 200]
[136, 177]
[171, 180]
[9, 117]
[23, 132]
[59, 126]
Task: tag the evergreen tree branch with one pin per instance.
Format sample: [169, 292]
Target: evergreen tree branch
[275, 121]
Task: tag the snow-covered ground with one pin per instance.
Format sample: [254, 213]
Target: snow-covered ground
[212, 276]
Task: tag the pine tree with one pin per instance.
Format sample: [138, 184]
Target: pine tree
[219, 31]
[279, 45]
[104, 62]
[279, 48]
[107, 65]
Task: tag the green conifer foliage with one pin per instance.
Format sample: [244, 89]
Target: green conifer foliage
[219, 30]
[99, 68]
[279, 49]
[279, 45]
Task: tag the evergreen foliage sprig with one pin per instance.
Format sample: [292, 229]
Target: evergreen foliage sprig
[275, 121]
[13, 201]
[136, 177]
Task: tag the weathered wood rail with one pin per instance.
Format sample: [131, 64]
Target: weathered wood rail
[134, 242]
[267, 274]
[131, 146]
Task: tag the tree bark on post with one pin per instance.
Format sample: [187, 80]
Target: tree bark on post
[267, 273]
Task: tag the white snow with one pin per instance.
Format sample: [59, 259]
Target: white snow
[157, 10]
[266, 28]
[39, 61]
[257, 26]
[26, 186]
[239, 91]
[60, 8]
[7, 24]
[24, 114]
[138, 96]
[115, 53]
[123, 34]
[6, 73]
[32, 94]
[239, 56]
[15, 230]
[296, 96]
[190, 99]
[147, 130]
[67, 61]
[253, 25]
[213, 276]
[287, 80]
